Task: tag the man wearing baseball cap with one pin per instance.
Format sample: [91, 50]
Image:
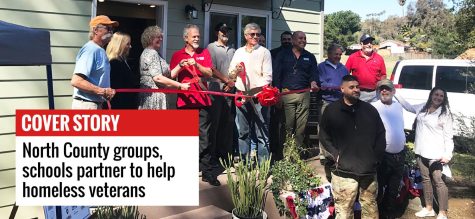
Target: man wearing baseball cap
[368, 66]
[223, 127]
[91, 78]
[391, 169]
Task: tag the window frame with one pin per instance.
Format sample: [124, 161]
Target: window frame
[239, 11]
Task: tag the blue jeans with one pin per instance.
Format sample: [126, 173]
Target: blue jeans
[245, 119]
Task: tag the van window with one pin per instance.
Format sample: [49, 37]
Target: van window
[416, 77]
[457, 79]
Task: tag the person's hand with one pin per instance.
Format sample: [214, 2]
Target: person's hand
[444, 160]
[239, 68]
[184, 86]
[191, 61]
[183, 62]
[229, 86]
[108, 93]
[314, 85]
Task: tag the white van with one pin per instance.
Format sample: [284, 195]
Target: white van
[415, 79]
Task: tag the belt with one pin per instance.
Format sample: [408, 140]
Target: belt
[84, 100]
[287, 90]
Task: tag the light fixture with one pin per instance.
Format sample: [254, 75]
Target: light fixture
[206, 5]
[286, 3]
[100, 0]
[191, 12]
[152, 6]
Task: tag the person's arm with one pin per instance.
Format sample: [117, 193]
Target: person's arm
[160, 79]
[176, 70]
[325, 138]
[448, 139]
[267, 68]
[79, 81]
[406, 105]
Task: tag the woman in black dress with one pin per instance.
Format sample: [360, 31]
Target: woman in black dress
[122, 76]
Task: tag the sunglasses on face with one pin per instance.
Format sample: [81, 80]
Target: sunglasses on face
[367, 42]
[254, 34]
[384, 87]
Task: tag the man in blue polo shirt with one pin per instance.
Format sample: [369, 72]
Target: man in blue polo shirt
[91, 78]
[296, 69]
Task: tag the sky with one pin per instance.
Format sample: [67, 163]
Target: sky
[365, 7]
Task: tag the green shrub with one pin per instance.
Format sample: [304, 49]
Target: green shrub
[121, 212]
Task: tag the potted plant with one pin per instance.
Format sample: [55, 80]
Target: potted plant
[120, 212]
[248, 186]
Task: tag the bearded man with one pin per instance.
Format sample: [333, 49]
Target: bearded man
[91, 78]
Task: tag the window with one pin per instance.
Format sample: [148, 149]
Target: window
[416, 77]
[229, 19]
[458, 79]
[236, 18]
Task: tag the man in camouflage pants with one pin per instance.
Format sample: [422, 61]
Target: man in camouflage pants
[353, 134]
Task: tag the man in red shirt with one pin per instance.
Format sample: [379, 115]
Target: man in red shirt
[199, 64]
[368, 66]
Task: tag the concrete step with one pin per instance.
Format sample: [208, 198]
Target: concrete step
[208, 212]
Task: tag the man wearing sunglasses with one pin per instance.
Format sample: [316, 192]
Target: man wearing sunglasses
[391, 169]
[368, 66]
[258, 73]
[91, 78]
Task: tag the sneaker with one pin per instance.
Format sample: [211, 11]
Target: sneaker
[425, 213]
[441, 216]
[211, 180]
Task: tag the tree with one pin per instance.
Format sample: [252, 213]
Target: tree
[339, 28]
[429, 28]
[465, 22]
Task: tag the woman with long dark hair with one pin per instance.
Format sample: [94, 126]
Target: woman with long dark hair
[433, 147]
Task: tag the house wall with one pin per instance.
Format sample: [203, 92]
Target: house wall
[303, 15]
[26, 88]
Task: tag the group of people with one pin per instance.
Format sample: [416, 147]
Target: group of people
[361, 128]
[363, 140]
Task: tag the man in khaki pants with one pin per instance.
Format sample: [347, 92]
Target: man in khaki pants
[296, 69]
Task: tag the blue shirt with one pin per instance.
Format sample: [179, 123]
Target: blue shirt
[93, 63]
[292, 73]
[330, 80]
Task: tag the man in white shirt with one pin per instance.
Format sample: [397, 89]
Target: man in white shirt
[391, 170]
[258, 73]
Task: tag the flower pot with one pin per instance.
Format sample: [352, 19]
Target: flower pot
[262, 216]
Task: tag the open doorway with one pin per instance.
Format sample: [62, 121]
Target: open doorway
[133, 18]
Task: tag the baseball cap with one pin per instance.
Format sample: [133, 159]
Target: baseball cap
[366, 37]
[385, 82]
[104, 20]
[222, 27]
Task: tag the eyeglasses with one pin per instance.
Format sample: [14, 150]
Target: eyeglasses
[254, 34]
[108, 28]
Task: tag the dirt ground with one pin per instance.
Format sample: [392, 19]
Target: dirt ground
[461, 197]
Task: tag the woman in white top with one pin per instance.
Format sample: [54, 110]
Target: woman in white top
[155, 71]
[433, 147]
